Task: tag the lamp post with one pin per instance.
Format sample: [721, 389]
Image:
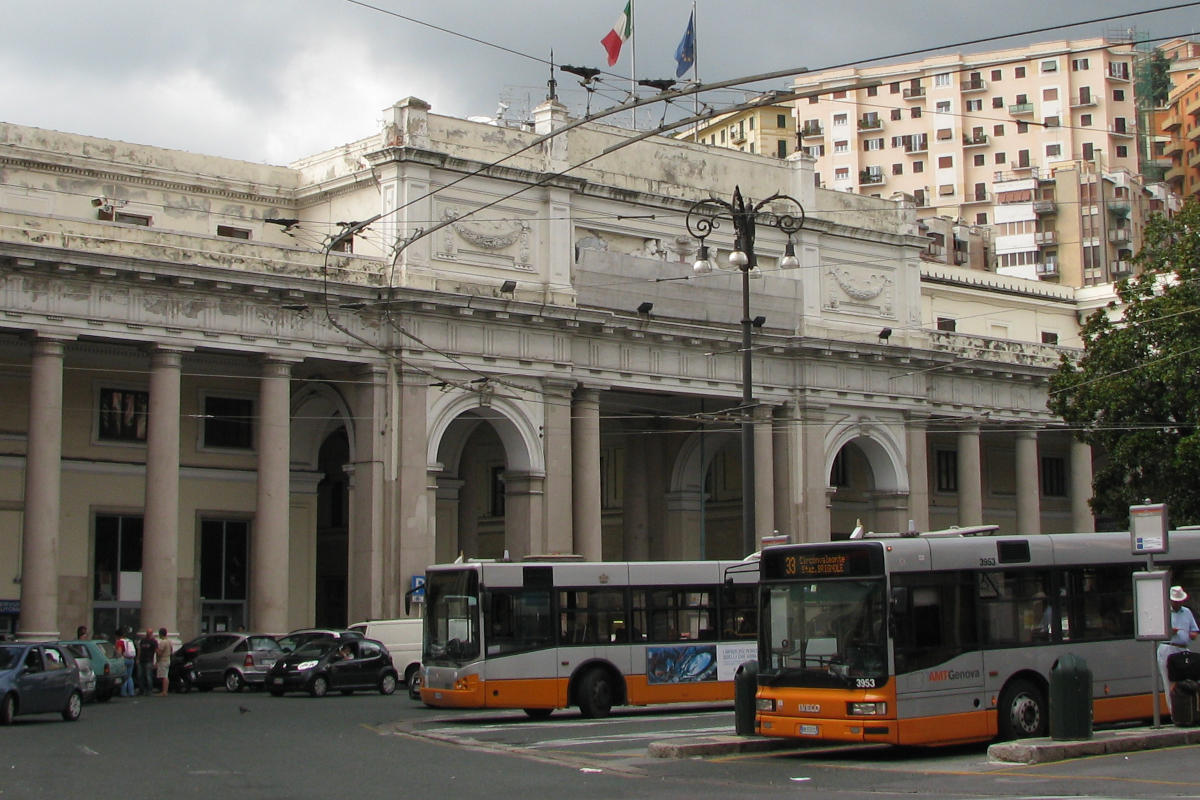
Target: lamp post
[702, 219]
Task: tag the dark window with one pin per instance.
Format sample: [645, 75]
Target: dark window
[838, 474]
[780, 120]
[117, 567]
[229, 422]
[981, 218]
[915, 112]
[224, 550]
[123, 415]
[1054, 476]
[520, 619]
[592, 616]
[781, 148]
[1019, 72]
[918, 166]
[1049, 337]
[996, 74]
[674, 615]
[978, 159]
[997, 102]
[897, 113]
[232, 232]
[496, 506]
[1015, 607]
[945, 161]
[946, 466]
[934, 617]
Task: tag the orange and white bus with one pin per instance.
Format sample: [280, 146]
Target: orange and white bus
[542, 636]
[950, 636]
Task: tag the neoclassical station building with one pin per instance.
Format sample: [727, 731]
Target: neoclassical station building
[227, 402]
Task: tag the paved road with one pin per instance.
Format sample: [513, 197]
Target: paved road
[205, 745]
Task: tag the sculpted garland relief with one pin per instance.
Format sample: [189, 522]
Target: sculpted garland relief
[853, 288]
[502, 242]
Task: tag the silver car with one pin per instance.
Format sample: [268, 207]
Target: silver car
[232, 660]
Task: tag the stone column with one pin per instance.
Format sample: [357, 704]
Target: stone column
[556, 526]
[43, 481]
[1029, 509]
[786, 449]
[269, 550]
[918, 474]
[764, 475]
[1081, 487]
[816, 480]
[585, 473]
[451, 540]
[970, 482]
[636, 499]
[367, 494]
[523, 505]
[410, 548]
[160, 541]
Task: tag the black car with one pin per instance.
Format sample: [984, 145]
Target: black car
[342, 665]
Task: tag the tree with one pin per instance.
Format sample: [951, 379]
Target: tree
[1152, 81]
[1134, 393]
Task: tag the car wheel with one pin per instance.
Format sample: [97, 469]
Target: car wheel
[74, 707]
[595, 694]
[387, 684]
[8, 709]
[538, 713]
[234, 681]
[320, 686]
[414, 685]
[1022, 711]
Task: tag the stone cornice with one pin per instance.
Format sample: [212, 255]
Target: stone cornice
[976, 279]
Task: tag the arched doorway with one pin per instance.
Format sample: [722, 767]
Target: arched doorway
[333, 515]
[866, 470]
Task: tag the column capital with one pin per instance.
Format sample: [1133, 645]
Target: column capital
[1026, 433]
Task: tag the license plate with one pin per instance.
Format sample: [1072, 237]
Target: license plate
[809, 730]
[277, 681]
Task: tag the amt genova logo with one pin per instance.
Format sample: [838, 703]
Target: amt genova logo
[939, 675]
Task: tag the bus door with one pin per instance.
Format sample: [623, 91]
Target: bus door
[938, 663]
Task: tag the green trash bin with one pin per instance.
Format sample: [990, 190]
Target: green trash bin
[745, 686]
[1070, 699]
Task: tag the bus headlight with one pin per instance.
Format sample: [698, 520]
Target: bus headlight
[866, 709]
[764, 704]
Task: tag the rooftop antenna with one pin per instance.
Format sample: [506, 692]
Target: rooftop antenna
[552, 84]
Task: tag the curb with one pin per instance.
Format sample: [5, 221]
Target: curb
[1041, 751]
[694, 747]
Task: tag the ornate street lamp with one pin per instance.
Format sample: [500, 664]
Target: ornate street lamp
[702, 219]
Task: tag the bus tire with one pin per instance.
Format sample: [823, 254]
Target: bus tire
[1022, 711]
[595, 694]
[538, 713]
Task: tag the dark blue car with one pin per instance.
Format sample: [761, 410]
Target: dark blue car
[38, 679]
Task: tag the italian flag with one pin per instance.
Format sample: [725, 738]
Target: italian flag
[622, 29]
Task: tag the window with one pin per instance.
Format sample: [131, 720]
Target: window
[981, 218]
[1122, 151]
[946, 461]
[1054, 150]
[841, 174]
[592, 616]
[1085, 121]
[945, 162]
[1050, 94]
[839, 95]
[997, 102]
[1022, 127]
[896, 113]
[842, 146]
[816, 150]
[915, 112]
[1051, 122]
[941, 79]
[1089, 151]
[1050, 66]
[780, 121]
[838, 474]
[894, 88]
[873, 144]
[935, 621]
[781, 148]
[1018, 72]
[521, 619]
[814, 99]
[224, 554]
[111, 215]
[945, 134]
[117, 567]
[1001, 158]
[897, 169]
[228, 422]
[997, 130]
[122, 415]
[1013, 607]
[979, 160]
[1054, 468]
[752, 123]
[872, 91]
[975, 105]
[943, 106]
[496, 491]
[674, 615]
[1079, 64]
[232, 232]
[1049, 337]
[840, 119]
[918, 166]
[997, 74]
[1118, 95]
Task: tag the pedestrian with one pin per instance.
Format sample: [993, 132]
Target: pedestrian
[147, 650]
[162, 660]
[1183, 631]
[81, 633]
[127, 651]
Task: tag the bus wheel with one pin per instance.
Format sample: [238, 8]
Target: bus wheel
[1022, 711]
[538, 713]
[595, 694]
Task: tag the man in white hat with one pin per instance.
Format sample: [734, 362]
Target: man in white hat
[1183, 631]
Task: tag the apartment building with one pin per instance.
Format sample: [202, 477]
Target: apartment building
[769, 131]
[1178, 147]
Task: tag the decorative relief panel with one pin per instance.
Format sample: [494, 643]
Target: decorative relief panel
[859, 289]
[501, 242]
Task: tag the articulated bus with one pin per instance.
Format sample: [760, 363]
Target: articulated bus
[542, 636]
[950, 636]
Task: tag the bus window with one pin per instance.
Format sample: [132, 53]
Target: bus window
[739, 612]
[591, 616]
[520, 619]
[1098, 603]
[675, 615]
[1016, 607]
[933, 619]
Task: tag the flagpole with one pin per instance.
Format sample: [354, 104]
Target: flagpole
[696, 70]
[633, 59]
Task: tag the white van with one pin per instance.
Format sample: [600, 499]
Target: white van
[402, 638]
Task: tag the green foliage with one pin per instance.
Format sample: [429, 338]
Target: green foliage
[1152, 82]
[1134, 394]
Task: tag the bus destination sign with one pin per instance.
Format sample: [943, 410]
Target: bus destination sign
[822, 562]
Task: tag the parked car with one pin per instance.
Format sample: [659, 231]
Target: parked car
[38, 679]
[326, 664]
[294, 640]
[402, 638]
[232, 660]
[107, 667]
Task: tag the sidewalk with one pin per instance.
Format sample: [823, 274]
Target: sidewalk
[1022, 751]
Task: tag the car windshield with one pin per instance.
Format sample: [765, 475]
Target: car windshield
[9, 656]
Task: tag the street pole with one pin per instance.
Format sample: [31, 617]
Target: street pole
[702, 218]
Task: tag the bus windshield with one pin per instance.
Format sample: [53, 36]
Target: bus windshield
[829, 633]
[451, 618]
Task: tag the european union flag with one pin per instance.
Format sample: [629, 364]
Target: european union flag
[685, 54]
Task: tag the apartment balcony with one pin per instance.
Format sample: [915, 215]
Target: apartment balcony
[1044, 207]
[976, 85]
[1117, 72]
[918, 146]
[1172, 120]
[812, 131]
[868, 178]
[1083, 102]
[1123, 133]
[1193, 159]
[1172, 146]
[1047, 268]
[914, 93]
[1045, 238]
[1175, 174]
[977, 140]
[870, 124]
[1120, 269]
[1194, 134]
[1118, 235]
[960, 257]
[1118, 210]
[1020, 109]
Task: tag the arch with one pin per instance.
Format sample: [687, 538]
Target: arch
[877, 441]
[687, 474]
[318, 410]
[453, 417]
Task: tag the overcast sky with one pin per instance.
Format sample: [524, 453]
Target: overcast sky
[275, 80]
